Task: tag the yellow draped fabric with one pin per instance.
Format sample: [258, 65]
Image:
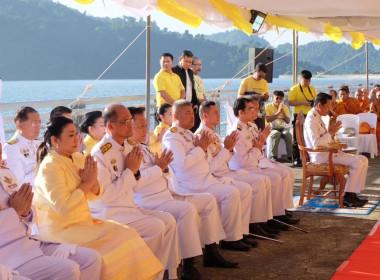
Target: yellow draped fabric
[238, 16]
[333, 32]
[174, 10]
[358, 40]
[64, 216]
[286, 23]
[89, 143]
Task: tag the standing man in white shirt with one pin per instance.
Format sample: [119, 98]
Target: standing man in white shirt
[193, 173]
[316, 135]
[20, 152]
[183, 70]
[198, 82]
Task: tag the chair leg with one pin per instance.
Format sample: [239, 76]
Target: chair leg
[311, 182]
[342, 182]
[303, 189]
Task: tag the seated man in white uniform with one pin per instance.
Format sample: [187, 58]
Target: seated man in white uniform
[118, 173]
[248, 154]
[25, 255]
[155, 193]
[316, 134]
[219, 156]
[194, 176]
[20, 152]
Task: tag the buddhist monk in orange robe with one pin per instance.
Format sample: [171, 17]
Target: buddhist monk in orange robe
[346, 104]
[363, 102]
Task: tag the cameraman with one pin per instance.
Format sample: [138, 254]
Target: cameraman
[301, 96]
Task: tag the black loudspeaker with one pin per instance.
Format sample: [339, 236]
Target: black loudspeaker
[265, 57]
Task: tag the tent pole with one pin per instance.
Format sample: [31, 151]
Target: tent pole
[366, 64]
[147, 74]
[295, 57]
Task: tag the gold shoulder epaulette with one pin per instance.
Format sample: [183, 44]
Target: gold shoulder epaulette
[13, 141]
[106, 147]
[239, 127]
[173, 129]
[131, 142]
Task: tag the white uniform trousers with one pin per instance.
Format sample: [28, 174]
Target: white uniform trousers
[261, 205]
[85, 264]
[228, 199]
[358, 170]
[159, 232]
[245, 192]
[187, 223]
[210, 226]
[288, 176]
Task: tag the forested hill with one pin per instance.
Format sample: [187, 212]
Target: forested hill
[45, 40]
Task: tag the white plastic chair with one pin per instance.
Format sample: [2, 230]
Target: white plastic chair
[349, 120]
[230, 116]
[368, 142]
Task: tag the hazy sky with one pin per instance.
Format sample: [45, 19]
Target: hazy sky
[111, 9]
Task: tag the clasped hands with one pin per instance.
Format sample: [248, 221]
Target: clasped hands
[259, 142]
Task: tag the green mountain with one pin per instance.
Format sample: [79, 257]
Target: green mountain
[43, 40]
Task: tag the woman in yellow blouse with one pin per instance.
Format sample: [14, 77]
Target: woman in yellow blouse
[65, 181]
[164, 118]
[93, 126]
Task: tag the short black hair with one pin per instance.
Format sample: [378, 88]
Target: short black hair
[22, 114]
[136, 110]
[334, 91]
[167, 54]
[187, 54]
[59, 111]
[306, 74]
[261, 67]
[240, 104]
[344, 88]
[322, 98]
[279, 93]
[90, 119]
[205, 106]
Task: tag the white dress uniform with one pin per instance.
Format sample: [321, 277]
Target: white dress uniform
[194, 176]
[158, 229]
[316, 134]
[30, 256]
[155, 194]
[259, 208]
[21, 157]
[252, 159]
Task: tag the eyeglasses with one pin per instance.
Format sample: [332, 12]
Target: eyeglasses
[130, 121]
[36, 123]
[198, 64]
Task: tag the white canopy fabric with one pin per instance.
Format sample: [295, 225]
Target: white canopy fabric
[356, 21]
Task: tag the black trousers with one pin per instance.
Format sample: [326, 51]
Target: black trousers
[296, 151]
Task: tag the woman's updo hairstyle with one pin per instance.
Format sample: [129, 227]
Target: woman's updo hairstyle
[90, 120]
[161, 111]
[53, 128]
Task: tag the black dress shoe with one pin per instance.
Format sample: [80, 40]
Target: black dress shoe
[277, 225]
[275, 159]
[289, 213]
[288, 220]
[255, 228]
[250, 241]
[297, 163]
[269, 229]
[234, 245]
[212, 258]
[360, 200]
[192, 274]
[349, 200]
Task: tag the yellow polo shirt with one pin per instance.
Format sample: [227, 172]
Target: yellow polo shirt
[169, 82]
[249, 84]
[295, 94]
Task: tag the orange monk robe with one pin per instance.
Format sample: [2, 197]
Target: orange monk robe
[350, 106]
[377, 108]
[364, 105]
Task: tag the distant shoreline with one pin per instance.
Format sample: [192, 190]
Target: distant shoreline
[338, 76]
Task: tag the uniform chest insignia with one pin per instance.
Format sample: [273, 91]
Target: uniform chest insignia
[239, 127]
[149, 150]
[113, 161]
[12, 141]
[2, 207]
[106, 147]
[115, 168]
[173, 129]
[217, 150]
[131, 142]
[25, 152]
[121, 149]
[10, 183]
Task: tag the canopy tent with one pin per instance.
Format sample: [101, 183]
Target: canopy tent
[355, 21]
